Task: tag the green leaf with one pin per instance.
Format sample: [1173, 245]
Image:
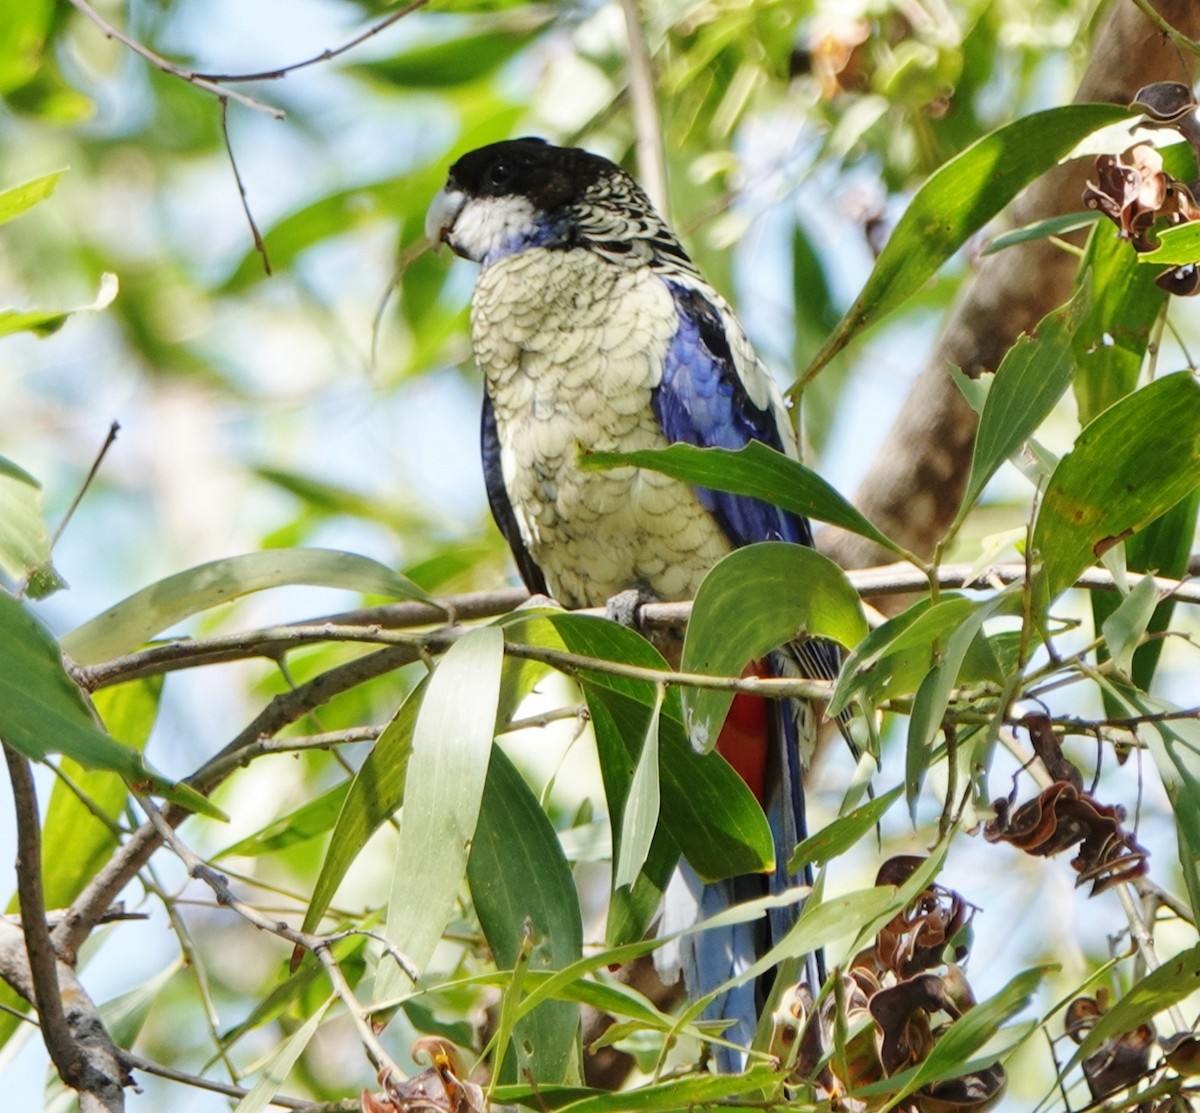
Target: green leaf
[1176, 246]
[156, 608]
[43, 712]
[75, 842]
[707, 810]
[23, 31]
[893, 659]
[755, 470]
[24, 539]
[844, 832]
[686, 1093]
[451, 747]
[1163, 547]
[279, 1066]
[19, 198]
[754, 600]
[45, 322]
[956, 201]
[1128, 466]
[1176, 979]
[1112, 337]
[630, 909]
[376, 791]
[457, 61]
[821, 922]
[1124, 628]
[1030, 380]
[640, 819]
[1041, 229]
[518, 875]
[933, 695]
[311, 819]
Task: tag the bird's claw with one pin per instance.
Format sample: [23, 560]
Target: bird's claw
[625, 608]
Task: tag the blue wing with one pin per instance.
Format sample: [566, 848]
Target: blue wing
[502, 511]
[701, 400]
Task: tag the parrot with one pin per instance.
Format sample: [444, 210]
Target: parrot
[594, 331]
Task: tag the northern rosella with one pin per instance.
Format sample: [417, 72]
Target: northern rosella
[595, 331]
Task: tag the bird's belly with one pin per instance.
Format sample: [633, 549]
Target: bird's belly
[597, 533]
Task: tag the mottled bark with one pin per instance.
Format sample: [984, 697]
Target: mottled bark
[915, 483]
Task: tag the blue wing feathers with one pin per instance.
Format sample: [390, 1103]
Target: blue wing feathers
[701, 400]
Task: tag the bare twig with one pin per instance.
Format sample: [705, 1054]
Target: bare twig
[259, 245]
[319, 945]
[1177, 37]
[133, 1061]
[652, 169]
[324, 56]
[113, 430]
[218, 768]
[379, 625]
[172, 68]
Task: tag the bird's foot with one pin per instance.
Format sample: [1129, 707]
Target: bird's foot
[626, 606]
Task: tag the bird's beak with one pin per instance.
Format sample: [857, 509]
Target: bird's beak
[443, 212]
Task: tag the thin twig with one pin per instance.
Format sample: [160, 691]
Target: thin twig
[113, 430]
[1177, 37]
[324, 56]
[319, 945]
[259, 244]
[193, 963]
[1144, 940]
[134, 1061]
[652, 169]
[172, 68]
[326, 740]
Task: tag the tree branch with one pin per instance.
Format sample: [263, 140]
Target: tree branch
[915, 484]
[381, 625]
[134, 1061]
[167, 66]
[43, 970]
[75, 1037]
[324, 56]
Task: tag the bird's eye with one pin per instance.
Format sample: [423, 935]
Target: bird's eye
[500, 173]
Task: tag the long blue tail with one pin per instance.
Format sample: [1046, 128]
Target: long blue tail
[709, 959]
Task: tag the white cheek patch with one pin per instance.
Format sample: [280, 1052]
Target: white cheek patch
[491, 226]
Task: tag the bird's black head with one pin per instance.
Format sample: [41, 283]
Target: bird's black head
[522, 193]
[550, 177]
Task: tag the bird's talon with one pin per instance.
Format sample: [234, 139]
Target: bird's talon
[625, 608]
